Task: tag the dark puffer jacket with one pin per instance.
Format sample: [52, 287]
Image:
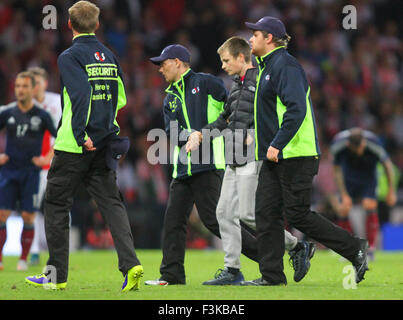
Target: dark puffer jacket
[238, 117]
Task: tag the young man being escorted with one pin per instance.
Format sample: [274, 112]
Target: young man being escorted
[237, 198]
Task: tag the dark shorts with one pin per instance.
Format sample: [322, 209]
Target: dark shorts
[19, 187]
[362, 189]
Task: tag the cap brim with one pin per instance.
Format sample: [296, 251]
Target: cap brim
[157, 60]
[252, 26]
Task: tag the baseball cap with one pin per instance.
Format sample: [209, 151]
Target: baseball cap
[115, 149]
[171, 52]
[269, 24]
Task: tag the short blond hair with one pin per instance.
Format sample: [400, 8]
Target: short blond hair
[235, 46]
[84, 16]
[38, 71]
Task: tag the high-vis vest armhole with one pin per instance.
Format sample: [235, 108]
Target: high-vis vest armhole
[214, 109]
[122, 101]
[255, 113]
[121, 95]
[303, 144]
[65, 140]
[88, 114]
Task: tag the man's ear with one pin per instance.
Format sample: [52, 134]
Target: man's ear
[241, 57]
[269, 38]
[97, 26]
[69, 24]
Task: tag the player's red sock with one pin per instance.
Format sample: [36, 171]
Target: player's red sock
[345, 224]
[27, 236]
[372, 227]
[3, 238]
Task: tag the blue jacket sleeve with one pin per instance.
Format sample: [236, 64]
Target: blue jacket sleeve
[291, 87]
[49, 125]
[75, 81]
[215, 87]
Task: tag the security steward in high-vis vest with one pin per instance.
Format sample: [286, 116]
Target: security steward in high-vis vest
[193, 100]
[287, 142]
[87, 149]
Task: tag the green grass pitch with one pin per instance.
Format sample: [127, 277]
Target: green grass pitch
[94, 275]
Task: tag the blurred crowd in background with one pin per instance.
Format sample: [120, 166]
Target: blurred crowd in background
[355, 78]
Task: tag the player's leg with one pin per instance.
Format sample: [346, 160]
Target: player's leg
[39, 236]
[27, 236]
[345, 221]
[4, 214]
[8, 198]
[29, 202]
[370, 205]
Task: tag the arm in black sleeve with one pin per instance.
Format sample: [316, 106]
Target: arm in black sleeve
[79, 91]
[49, 125]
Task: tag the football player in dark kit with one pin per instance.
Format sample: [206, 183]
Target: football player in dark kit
[21, 163]
[356, 153]
[286, 141]
[87, 149]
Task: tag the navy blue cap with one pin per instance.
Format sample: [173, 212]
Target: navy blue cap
[173, 51]
[270, 25]
[115, 149]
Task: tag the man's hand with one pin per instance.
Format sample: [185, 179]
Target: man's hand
[194, 141]
[272, 154]
[40, 161]
[346, 205]
[391, 198]
[88, 145]
[3, 159]
[248, 139]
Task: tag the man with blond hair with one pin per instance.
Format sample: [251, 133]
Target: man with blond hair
[87, 149]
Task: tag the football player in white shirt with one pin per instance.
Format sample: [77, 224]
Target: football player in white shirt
[50, 102]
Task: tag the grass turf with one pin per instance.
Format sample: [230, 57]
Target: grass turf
[93, 275]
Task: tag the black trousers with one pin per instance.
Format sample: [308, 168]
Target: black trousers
[286, 187]
[66, 173]
[203, 190]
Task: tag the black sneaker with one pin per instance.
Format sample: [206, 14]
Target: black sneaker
[262, 282]
[300, 259]
[360, 262]
[223, 277]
